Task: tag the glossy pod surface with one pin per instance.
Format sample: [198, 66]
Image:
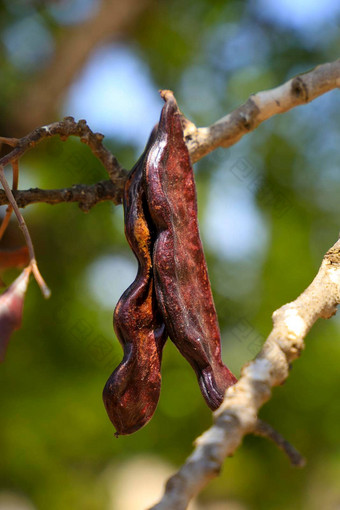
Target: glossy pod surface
[180, 272]
[171, 294]
[132, 391]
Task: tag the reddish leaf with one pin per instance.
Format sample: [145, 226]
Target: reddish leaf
[14, 258]
[11, 308]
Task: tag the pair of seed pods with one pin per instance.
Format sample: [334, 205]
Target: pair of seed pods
[171, 295]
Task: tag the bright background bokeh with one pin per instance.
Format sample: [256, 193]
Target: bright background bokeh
[268, 207]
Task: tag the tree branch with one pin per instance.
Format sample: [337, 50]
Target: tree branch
[200, 141]
[87, 196]
[261, 106]
[65, 128]
[237, 415]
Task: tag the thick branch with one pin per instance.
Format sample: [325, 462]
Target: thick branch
[237, 415]
[261, 106]
[87, 196]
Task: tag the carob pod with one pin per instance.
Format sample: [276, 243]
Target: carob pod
[180, 272]
[132, 391]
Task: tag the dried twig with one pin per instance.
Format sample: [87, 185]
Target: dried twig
[22, 224]
[237, 415]
[65, 128]
[12, 142]
[86, 195]
[200, 141]
[15, 180]
[265, 430]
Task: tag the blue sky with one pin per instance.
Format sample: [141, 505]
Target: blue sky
[116, 95]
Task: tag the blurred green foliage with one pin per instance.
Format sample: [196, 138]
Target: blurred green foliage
[55, 437]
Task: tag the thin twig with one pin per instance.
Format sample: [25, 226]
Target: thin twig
[12, 142]
[265, 430]
[5, 221]
[86, 195]
[200, 141]
[39, 279]
[15, 181]
[69, 127]
[15, 177]
[44, 288]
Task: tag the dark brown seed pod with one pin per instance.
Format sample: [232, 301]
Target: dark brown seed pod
[132, 391]
[180, 272]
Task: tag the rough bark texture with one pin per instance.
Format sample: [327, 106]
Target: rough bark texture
[238, 413]
[261, 106]
[200, 141]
